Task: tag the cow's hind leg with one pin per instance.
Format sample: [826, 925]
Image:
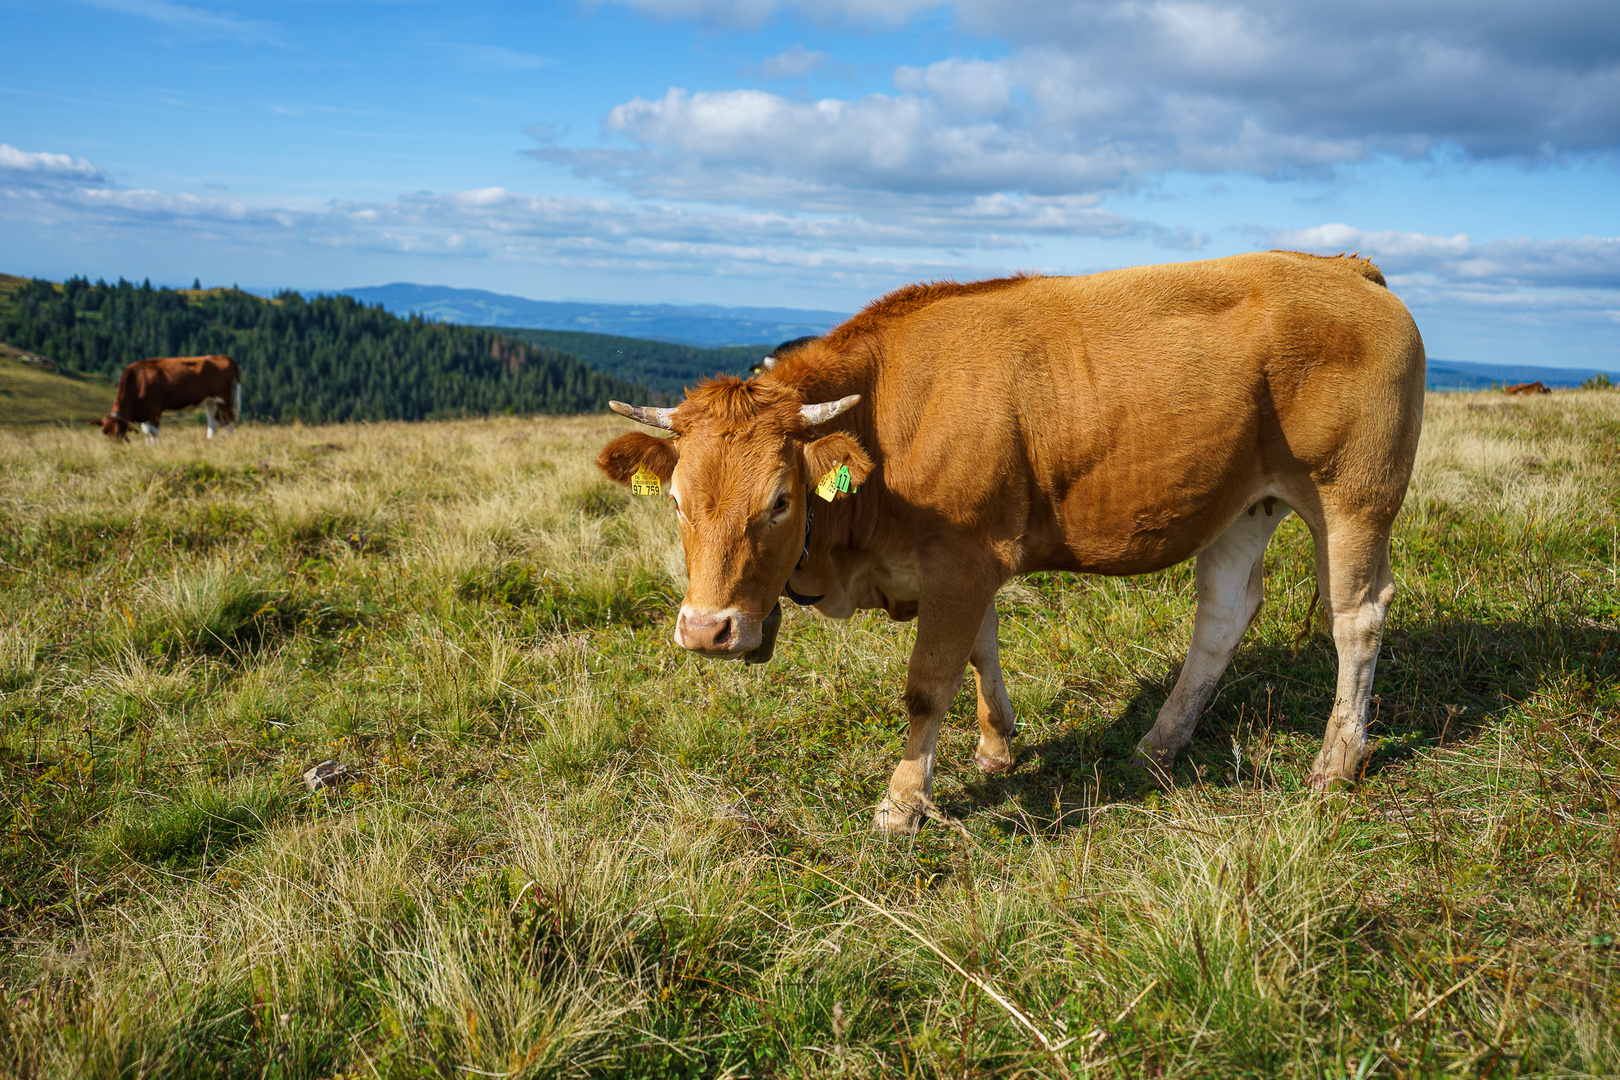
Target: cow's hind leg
[1231, 586]
[1357, 587]
[211, 407]
[997, 725]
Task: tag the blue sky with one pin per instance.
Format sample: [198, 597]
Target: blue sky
[807, 154]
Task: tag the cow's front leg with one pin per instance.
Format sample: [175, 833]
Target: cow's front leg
[950, 614]
[997, 725]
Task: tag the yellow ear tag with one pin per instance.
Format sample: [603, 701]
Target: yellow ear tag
[836, 480]
[645, 482]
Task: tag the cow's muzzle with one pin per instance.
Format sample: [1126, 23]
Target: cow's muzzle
[727, 634]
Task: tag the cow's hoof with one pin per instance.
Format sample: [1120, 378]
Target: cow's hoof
[1153, 761]
[896, 819]
[1325, 782]
[988, 764]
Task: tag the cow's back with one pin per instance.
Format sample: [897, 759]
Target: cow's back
[195, 377]
[1116, 422]
[148, 388]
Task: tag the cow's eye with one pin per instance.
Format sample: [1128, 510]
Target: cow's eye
[781, 504]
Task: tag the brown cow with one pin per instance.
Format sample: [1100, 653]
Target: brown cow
[1117, 423]
[1537, 387]
[148, 388]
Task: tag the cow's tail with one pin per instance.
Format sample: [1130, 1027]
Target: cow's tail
[236, 400]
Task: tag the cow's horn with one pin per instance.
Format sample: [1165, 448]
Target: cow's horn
[820, 414]
[650, 415]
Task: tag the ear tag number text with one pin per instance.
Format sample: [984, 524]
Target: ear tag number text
[645, 482]
[836, 480]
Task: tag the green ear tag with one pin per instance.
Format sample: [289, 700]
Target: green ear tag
[837, 480]
[645, 482]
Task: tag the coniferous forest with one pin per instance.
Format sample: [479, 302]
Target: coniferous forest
[662, 366]
[320, 360]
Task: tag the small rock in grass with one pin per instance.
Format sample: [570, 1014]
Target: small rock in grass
[738, 813]
[326, 773]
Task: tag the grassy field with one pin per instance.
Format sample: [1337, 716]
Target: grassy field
[31, 395]
[571, 849]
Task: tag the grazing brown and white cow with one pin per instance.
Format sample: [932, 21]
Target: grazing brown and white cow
[149, 388]
[1117, 423]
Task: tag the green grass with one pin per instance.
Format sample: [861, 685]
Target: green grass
[571, 849]
[30, 395]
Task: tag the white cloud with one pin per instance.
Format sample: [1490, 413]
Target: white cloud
[793, 63]
[751, 144]
[753, 13]
[1526, 282]
[1589, 262]
[967, 87]
[870, 249]
[1093, 95]
[492, 57]
[505, 220]
[38, 166]
[1388, 243]
[157, 207]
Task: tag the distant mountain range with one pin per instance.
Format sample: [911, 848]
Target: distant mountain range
[1462, 375]
[709, 326]
[704, 325]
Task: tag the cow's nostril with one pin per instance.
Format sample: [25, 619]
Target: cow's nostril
[722, 633]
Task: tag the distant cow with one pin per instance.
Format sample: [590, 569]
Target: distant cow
[951, 437]
[768, 361]
[149, 388]
[1527, 388]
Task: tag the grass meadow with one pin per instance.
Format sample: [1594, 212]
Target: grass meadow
[32, 395]
[570, 849]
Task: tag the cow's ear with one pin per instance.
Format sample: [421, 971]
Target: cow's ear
[627, 454]
[831, 451]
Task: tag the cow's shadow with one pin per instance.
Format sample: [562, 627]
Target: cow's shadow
[1440, 684]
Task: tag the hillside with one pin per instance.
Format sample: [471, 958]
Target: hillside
[329, 358]
[705, 325]
[661, 365]
[33, 392]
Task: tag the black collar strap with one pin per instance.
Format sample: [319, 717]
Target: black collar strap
[804, 557]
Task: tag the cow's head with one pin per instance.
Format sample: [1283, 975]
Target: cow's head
[114, 427]
[741, 466]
